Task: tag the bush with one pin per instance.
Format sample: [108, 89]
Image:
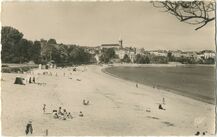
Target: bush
[4, 66]
[16, 69]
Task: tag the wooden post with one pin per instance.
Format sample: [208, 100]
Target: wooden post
[46, 132]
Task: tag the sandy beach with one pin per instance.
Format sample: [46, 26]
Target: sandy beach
[117, 107]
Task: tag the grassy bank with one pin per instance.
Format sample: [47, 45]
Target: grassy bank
[17, 68]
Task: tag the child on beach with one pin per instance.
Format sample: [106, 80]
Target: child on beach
[29, 128]
[81, 114]
[85, 102]
[30, 81]
[55, 116]
[69, 116]
[197, 133]
[60, 111]
[160, 107]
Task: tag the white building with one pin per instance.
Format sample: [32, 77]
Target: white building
[121, 53]
[206, 54]
[132, 56]
[97, 58]
[159, 53]
[209, 55]
[115, 46]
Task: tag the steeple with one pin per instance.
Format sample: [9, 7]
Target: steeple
[120, 42]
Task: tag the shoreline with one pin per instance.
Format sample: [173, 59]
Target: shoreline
[177, 92]
[158, 65]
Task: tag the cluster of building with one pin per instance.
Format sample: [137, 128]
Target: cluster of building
[131, 52]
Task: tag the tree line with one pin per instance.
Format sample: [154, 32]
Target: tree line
[17, 49]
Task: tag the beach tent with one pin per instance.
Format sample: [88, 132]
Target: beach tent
[19, 80]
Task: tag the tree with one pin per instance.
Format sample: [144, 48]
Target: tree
[192, 12]
[10, 38]
[159, 59]
[126, 59]
[147, 60]
[23, 51]
[142, 59]
[107, 55]
[77, 55]
[170, 56]
[36, 52]
[138, 58]
[52, 41]
[209, 61]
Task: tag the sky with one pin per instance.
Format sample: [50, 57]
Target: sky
[138, 24]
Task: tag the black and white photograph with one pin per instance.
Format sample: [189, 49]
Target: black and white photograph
[108, 68]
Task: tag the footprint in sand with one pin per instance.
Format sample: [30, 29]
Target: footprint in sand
[168, 123]
[153, 117]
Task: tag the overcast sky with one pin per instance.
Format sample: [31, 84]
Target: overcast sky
[139, 24]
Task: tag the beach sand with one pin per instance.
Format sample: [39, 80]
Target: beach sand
[117, 107]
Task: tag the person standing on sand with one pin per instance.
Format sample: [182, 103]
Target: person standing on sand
[60, 111]
[30, 80]
[164, 101]
[44, 108]
[33, 79]
[29, 128]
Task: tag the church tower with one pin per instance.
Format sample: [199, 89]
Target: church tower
[121, 43]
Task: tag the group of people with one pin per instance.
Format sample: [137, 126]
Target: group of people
[198, 133]
[62, 114]
[32, 80]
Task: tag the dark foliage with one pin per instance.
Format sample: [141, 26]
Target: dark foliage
[126, 59]
[107, 55]
[16, 49]
[192, 12]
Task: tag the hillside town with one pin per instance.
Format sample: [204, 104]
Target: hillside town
[131, 55]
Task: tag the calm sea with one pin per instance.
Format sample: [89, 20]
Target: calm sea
[197, 82]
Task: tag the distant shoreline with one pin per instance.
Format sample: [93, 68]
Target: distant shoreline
[157, 65]
[177, 92]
